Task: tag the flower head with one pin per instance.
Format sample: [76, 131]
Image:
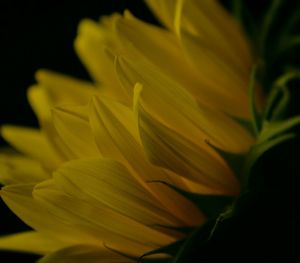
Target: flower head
[99, 176]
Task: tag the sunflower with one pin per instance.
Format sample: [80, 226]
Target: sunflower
[96, 181]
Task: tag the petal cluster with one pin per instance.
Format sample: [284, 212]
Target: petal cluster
[161, 101]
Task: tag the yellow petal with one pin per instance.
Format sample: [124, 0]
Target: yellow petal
[91, 46]
[40, 103]
[31, 242]
[119, 189]
[62, 89]
[116, 124]
[72, 126]
[84, 253]
[15, 169]
[97, 220]
[176, 108]
[19, 199]
[33, 143]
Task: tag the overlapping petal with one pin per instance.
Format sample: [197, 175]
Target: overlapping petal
[90, 181]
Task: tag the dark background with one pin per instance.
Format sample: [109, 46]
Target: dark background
[40, 34]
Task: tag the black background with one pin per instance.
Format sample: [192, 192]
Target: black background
[40, 34]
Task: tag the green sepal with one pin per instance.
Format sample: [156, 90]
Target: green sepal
[210, 205]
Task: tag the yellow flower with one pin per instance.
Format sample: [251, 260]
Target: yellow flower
[161, 98]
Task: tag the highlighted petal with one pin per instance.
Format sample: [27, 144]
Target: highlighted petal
[31, 242]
